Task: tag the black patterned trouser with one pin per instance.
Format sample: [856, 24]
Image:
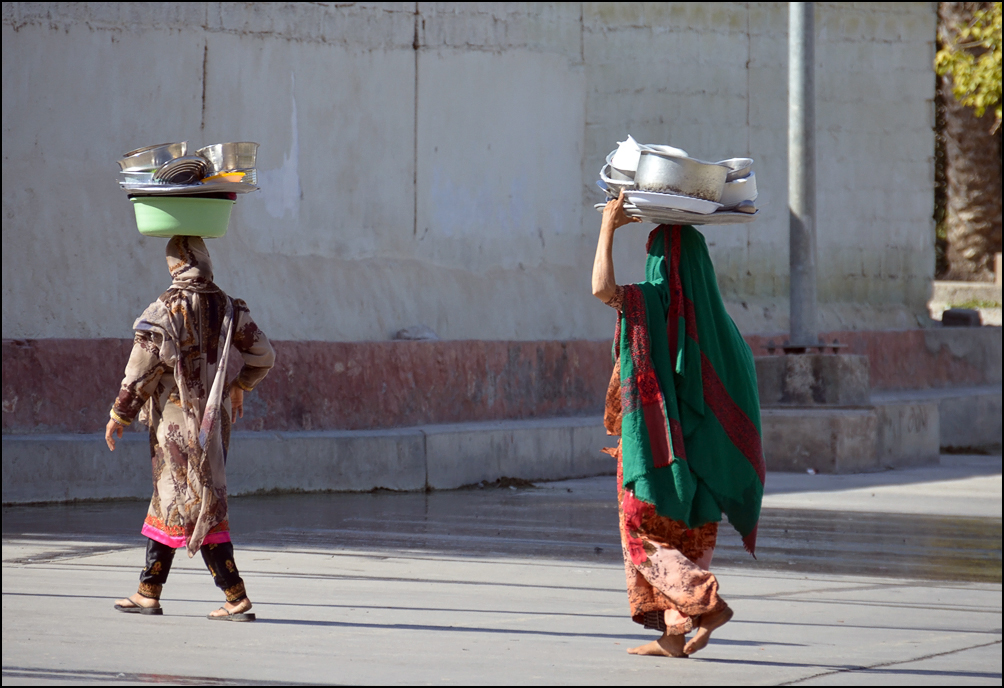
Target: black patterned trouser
[219, 560]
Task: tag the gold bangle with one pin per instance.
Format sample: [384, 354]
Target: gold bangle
[118, 419]
[243, 386]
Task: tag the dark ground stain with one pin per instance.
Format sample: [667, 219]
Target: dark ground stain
[518, 521]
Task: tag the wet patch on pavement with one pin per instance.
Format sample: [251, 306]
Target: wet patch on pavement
[551, 523]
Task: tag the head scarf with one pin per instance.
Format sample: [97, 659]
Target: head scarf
[690, 424]
[180, 322]
[190, 265]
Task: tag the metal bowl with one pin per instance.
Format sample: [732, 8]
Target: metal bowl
[224, 157]
[739, 191]
[615, 185]
[686, 176]
[144, 177]
[188, 169]
[738, 168]
[616, 173]
[152, 157]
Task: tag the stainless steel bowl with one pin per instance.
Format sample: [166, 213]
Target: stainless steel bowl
[685, 176]
[184, 170]
[143, 177]
[150, 158]
[224, 157]
[616, 173]
[615, 185]
[739, 191]
[738, 168]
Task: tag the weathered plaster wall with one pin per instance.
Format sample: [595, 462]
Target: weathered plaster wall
[712, 78]
[452, 184]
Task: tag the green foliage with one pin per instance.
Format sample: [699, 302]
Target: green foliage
[977, 303]
[972, 55]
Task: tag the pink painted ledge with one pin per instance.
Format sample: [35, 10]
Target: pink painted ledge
[67, 385]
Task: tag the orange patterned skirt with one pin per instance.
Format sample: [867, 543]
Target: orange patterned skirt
[668, 583]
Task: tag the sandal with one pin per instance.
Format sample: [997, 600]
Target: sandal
[133, 608]
[233, 616]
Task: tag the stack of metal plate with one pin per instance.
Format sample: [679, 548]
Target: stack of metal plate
[667, 216]
[166, 169]
[671, 201]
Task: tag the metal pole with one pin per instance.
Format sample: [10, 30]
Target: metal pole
[802, 173]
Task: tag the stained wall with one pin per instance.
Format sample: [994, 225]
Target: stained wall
[434, 163]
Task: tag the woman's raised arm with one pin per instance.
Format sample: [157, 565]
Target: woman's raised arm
[604, 283]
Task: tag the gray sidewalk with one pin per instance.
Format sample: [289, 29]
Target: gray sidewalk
[521, 586]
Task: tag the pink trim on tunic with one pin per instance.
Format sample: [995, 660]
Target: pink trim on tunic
[179, 542]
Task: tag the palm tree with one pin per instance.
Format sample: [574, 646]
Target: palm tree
[971, 158]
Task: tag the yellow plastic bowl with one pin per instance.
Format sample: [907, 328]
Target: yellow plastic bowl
[168, 216]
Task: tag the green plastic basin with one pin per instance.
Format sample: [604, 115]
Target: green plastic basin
[168, 216]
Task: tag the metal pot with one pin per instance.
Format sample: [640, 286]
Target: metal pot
[686, 176]
[663, 148]
[150, 158]
[224, 157]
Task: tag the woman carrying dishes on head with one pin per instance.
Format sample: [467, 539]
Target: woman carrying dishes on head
[683, 398]
[175, 382]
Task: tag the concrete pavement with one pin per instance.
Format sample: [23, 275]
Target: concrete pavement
[959, 486]
[519, 586]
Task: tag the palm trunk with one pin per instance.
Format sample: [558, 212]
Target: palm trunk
[972, 158]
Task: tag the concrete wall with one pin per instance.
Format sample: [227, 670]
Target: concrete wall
[434, 163]
[712, 78]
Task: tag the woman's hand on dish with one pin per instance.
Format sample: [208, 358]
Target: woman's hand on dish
[614, 215]
[111, 430]
[236, 402]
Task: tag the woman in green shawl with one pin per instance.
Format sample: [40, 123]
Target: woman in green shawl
[683, 398]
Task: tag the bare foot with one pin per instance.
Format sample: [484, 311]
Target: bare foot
[138, 600]
[709, 622]
[241, 606]
[666, 646]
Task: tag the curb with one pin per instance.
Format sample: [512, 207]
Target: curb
[62, 468]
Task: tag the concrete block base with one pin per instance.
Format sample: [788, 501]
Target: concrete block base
[851, 440]
[908, 434]
[811, 379]
[824, 439]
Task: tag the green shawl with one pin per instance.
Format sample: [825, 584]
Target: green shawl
[690, 410]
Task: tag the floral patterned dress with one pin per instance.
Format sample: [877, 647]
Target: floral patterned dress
[173, 383]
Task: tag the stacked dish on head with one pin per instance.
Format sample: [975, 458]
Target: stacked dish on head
[663, 184]
[174, 193]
